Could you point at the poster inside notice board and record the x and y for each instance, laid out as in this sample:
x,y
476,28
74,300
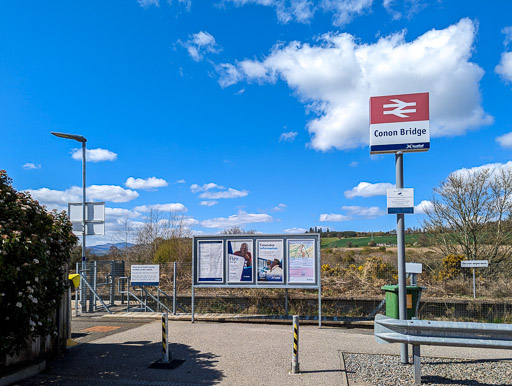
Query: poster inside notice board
x,y
210,261
240,260
270,261
301,260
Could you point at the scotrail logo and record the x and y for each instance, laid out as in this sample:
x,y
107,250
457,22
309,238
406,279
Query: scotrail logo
x,y
413,146
399,108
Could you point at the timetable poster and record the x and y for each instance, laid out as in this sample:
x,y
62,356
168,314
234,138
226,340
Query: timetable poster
x,y
210,261
270,261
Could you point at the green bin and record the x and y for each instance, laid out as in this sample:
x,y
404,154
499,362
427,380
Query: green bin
x,y
392,300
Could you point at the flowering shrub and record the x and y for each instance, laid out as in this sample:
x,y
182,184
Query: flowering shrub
x,y
450,268
34,247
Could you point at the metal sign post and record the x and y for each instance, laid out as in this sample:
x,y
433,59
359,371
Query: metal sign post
x,y
398,124
400,238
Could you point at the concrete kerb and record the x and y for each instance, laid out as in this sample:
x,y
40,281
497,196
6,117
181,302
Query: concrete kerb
x,y
18,374
236,318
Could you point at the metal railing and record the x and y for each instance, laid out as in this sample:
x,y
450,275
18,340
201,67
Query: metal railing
x,y
440,333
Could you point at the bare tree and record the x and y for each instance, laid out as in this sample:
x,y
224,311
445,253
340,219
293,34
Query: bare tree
x,y
150,233
125,231
470,214
237,231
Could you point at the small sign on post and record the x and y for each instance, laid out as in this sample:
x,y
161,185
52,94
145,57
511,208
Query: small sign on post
x,y
474,264
400,201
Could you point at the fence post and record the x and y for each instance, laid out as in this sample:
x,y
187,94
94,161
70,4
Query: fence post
x,y
76,291
416,360
286,302
295,350
165,338
174,288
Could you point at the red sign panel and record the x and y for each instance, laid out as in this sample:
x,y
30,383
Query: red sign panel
x,y
399,108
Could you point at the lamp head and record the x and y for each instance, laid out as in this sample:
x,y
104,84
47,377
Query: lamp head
x,y
75,137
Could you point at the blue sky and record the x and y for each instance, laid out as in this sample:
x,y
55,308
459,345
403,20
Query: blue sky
x,y
250,113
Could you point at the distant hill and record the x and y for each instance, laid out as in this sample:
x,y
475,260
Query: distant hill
x,y
103,249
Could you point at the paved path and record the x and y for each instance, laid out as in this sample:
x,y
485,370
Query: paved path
x,y
221,353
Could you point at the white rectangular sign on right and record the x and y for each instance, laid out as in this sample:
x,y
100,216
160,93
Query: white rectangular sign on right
x,y
399,123
400,201
474,263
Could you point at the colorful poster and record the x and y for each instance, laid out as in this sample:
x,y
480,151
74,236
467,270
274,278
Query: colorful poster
x,y
301,261
270,261
240,254
210,261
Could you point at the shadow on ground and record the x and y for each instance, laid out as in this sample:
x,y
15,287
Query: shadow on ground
x,y
127,363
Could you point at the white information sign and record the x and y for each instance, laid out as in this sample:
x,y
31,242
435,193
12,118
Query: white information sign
x,y
413,267
210,261
145,275
474,263
400,200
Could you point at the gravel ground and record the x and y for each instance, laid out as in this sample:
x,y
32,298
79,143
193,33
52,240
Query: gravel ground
x,y
387,370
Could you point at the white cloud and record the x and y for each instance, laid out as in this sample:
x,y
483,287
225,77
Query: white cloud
x,y
354,164
345,10
302,11
505,140
409,7
31,166
171,207
295,230
180,181
111,193
229,193
366,189
333,217
120,213
221,191
199,44
238,220
148,183
51,197
279,208
208,203
194,188
366,212
505,67
337,76
148,3
422,207
508,35
493,168
94,155
288,137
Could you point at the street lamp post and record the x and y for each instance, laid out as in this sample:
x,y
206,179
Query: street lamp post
x,y
82,140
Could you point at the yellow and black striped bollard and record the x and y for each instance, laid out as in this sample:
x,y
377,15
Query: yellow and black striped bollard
x,y
165,338
295,351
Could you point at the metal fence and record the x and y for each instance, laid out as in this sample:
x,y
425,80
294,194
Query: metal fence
x,y
348,291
